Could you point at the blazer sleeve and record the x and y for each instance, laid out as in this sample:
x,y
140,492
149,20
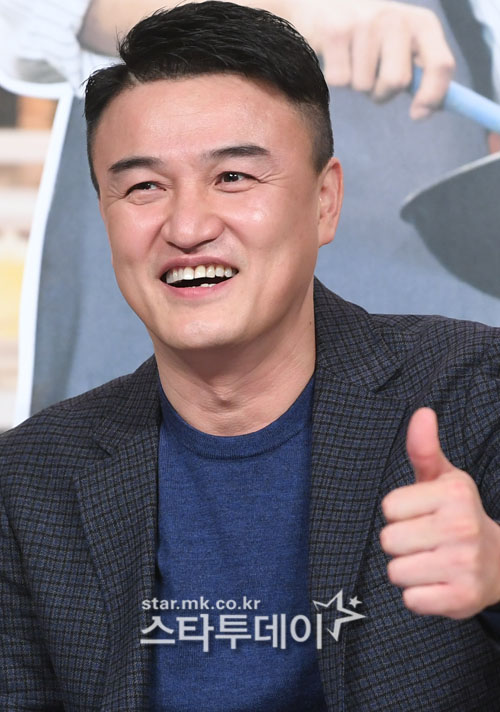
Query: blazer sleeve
x,y
27,681
481,436
482,441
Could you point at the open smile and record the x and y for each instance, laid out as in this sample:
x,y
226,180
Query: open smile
x,y
198,276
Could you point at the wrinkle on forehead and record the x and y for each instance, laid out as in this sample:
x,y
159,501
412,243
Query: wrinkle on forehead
x,y
162,117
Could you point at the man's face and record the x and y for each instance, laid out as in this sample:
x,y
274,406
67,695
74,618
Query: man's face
x,y
212,177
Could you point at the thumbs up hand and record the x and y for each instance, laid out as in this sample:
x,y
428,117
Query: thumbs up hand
x,y
446,548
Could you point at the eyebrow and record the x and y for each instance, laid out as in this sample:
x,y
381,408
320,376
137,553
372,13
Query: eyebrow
x,y
247,149
127,164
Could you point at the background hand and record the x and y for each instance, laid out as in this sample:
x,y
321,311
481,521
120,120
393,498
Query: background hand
x,y
372,45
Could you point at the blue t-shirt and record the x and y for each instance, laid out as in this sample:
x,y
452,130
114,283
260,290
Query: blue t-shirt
x,y
233,531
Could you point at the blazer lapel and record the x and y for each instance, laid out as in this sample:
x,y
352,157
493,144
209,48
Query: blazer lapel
x,y
353,431
117,497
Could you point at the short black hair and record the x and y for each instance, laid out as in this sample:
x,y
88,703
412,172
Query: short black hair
x,y
217,37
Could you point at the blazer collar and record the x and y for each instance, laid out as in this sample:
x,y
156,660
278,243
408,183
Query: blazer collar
x,y
347,344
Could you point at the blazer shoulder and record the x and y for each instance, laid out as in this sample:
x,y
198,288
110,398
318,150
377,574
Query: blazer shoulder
x,y
69,424
411,333
450,365
401,353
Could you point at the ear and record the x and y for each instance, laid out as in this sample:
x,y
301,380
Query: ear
x,y
103,217
331,192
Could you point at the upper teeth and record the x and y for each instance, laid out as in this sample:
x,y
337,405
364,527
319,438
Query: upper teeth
x,y
176,275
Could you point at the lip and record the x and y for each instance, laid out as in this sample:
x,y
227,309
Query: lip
x,y
194,261
198,292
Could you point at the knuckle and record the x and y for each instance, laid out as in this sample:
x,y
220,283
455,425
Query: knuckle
x,y
448,63
426,17
466,559
464,528
389,16
391,83
385,539
443,69
417,19
405,77
340,31
388,506
414,602
408,598
464,602
362,84
458,488
455,608
363,26
393,572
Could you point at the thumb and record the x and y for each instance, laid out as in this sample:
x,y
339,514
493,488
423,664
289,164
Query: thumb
x,y
423,447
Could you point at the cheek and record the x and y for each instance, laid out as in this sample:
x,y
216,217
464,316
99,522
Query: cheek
x,y
285,212
260,228
244,215
131,235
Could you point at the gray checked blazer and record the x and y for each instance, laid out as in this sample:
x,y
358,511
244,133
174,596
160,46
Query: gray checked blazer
x,y
78,522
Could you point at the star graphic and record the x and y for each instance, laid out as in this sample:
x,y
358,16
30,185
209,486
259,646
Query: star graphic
x,y
351,615
354,601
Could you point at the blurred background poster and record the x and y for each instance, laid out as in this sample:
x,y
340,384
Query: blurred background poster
x,y
419,230
25,125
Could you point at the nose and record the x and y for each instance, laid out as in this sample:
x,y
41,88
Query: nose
x,y
192,219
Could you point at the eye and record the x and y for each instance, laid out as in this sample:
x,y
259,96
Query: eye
x,y
146,186
234,178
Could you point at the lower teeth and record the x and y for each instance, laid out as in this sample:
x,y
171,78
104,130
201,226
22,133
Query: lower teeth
x,y
205,284
182,284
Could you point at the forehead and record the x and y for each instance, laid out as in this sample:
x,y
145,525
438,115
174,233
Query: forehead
x,y
198,114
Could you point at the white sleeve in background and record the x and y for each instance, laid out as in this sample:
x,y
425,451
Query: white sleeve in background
x,y
39,42
488,14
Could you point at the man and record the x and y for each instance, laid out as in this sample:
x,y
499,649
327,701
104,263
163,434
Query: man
x,y
251,459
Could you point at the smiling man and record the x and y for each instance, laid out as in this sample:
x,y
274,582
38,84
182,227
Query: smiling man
x,y
212,532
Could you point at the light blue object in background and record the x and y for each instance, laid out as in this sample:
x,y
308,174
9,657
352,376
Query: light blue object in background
x,y
466,102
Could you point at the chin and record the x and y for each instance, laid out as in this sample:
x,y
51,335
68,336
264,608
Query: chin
x,y
198,338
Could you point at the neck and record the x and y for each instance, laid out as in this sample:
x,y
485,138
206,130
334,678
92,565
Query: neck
x,y
239,389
